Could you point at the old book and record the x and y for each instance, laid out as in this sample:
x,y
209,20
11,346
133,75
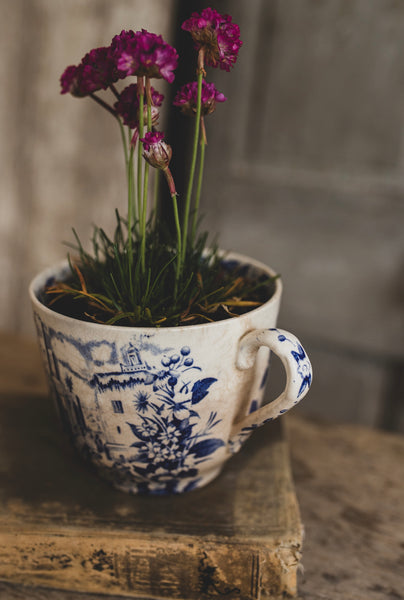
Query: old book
x,y
62,528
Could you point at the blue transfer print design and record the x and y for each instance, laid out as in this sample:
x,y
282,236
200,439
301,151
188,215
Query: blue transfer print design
x,y
149,436
303,364
254,406
305,373
236,443
264,378
167,446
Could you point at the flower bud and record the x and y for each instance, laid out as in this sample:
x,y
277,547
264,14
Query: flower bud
x,y
156,151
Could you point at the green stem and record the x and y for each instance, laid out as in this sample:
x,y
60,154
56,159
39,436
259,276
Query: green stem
x,y
193,164
178,267
156,194
132,146
130,171
149,103
146,178
144,216
130,182
132,160
140,91
173,193
199,183
124,144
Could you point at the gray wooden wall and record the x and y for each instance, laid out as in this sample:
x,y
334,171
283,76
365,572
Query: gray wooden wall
x,y
61,159
305,169
311,180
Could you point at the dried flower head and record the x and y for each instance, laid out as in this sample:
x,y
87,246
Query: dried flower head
x,y
155,150
216,35
96,71
144,54
186,98
128,106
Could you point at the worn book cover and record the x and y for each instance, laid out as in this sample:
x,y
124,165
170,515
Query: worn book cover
x,y
62,528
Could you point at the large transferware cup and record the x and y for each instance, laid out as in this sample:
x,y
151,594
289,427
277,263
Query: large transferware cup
x,y
160,410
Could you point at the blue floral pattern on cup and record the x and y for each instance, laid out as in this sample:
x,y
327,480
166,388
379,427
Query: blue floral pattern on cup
x,y
143,429
289,347
301,358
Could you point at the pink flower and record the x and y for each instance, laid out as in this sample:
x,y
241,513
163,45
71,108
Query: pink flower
x,y
186,98
69,81
120,41
128,106
144,54
96,71
156,151
216,35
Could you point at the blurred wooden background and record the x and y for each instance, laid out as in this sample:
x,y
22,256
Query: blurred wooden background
x,y
305,170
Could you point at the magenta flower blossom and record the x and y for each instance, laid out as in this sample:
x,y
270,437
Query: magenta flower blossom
x,y
121,41
128,106
96,71
216,35
144,54
69,81
186,98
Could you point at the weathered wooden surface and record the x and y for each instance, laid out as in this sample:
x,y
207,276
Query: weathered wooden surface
x,y
349,480
350,486
63,528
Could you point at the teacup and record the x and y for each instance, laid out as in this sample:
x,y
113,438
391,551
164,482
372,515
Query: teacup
x,y
160,410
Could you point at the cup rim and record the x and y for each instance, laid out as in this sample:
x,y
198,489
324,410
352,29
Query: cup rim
x,y
39,280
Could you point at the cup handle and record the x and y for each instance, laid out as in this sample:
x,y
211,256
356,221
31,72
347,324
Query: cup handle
x,y
298,378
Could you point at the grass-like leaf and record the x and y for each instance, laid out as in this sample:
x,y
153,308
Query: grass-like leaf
x,y
102,288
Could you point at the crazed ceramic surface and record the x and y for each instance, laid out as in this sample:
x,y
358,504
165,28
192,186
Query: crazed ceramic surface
x,y
161,410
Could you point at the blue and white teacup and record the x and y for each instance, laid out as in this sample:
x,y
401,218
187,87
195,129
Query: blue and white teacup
x,y
160,410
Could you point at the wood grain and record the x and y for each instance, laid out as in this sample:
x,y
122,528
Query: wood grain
x,y
350,485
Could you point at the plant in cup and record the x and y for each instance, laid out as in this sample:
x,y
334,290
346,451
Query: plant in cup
x,y
156,407
140,276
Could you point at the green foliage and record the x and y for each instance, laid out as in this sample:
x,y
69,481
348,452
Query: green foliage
x,y
99,289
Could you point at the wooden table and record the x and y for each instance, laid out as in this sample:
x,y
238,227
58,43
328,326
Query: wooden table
x,y
350,485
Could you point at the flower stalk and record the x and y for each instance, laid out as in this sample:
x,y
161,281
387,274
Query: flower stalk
x,y
138,263
146,174
140,199
203,143
188,197
104,104
130,170
158,154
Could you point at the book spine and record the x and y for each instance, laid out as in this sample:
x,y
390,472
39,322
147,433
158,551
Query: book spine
x,y
136,567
